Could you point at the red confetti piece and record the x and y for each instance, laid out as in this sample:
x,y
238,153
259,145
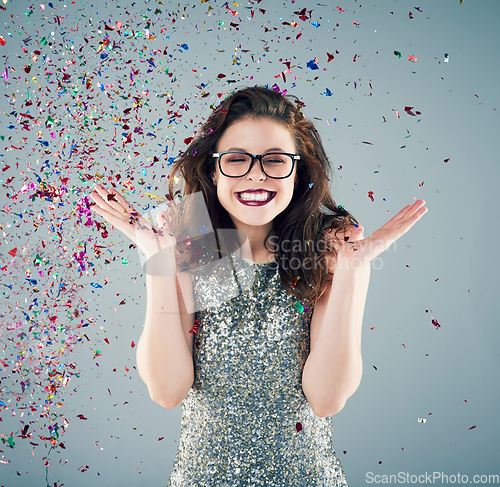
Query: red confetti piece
x,y
340,9
234,13
410,15
132,344
447,160
13,252
161,438
81,416
195,328
412,58
408,110
345,451
370,195
298,427
403,345
436,324
472,427
330,57
2,41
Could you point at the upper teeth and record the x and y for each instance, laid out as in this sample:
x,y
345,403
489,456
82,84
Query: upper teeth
x,y
255,196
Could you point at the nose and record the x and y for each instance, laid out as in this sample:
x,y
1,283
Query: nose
x,y
255,173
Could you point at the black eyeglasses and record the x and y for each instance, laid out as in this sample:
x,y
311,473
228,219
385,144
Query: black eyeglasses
x,y
275,165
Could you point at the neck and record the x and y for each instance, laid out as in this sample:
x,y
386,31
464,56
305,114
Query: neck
x,y
256,236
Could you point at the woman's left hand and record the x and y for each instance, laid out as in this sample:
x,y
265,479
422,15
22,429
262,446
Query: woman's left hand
x,y
357,252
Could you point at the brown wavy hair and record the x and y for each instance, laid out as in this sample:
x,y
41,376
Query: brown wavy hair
x,y
312,210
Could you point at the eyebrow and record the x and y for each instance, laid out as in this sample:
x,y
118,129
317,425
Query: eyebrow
x,y
279,149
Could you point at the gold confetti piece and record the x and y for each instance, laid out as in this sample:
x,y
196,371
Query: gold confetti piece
x,y
154,196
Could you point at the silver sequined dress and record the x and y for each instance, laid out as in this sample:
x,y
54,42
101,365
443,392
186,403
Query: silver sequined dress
x,y
246,420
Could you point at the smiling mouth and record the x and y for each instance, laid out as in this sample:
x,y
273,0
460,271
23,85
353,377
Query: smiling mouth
x,y
255,198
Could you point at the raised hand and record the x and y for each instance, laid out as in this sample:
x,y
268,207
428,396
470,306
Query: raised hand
x,y
115,209
357,252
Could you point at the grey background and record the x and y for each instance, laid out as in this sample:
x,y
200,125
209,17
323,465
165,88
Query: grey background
x,y
443,268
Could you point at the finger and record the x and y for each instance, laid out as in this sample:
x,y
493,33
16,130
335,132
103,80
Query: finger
x,y
414,213
101,198
405,213
110,217
114,203
118,199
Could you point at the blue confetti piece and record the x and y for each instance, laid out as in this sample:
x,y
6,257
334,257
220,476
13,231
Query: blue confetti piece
x,y
184,46
203,229
144,172
327,93
312,64
316,24
311,185
94,284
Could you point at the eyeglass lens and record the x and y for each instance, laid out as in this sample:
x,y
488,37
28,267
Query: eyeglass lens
x,y
275,165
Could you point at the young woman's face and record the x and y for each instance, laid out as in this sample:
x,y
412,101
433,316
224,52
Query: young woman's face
x,y
256,136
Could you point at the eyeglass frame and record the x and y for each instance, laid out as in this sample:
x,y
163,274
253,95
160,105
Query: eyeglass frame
x,y
294,158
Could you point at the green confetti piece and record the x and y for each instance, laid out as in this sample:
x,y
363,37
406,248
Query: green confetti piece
x,y
397,53
299,306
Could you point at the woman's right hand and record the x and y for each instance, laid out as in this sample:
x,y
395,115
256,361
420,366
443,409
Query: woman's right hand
x,y
114,208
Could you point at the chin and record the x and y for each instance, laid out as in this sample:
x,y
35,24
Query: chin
x,y
255,220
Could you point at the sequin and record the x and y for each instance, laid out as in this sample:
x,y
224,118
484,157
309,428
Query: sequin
x,y
246,420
